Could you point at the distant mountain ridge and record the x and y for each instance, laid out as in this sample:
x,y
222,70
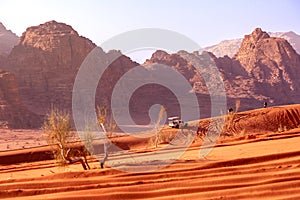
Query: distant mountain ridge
x,y
46,61
44,64
264,69
8,40
231,47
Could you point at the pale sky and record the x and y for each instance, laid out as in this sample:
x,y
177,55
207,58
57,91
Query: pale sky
x,y
206,22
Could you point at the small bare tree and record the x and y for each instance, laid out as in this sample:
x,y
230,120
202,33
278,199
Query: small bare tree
x,y
57,128
108,126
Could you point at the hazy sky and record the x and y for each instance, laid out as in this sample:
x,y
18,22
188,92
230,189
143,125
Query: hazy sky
x,y
206,22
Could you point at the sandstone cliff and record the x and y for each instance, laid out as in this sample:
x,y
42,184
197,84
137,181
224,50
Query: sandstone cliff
x,y
46,61
47,58
12,113
273,64
264,69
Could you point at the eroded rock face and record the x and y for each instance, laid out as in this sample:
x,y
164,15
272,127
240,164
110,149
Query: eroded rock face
x,y
272,62
12,113
264,69
47,58
45,63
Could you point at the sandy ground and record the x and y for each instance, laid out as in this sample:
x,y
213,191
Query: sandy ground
x,y
20,139
266,166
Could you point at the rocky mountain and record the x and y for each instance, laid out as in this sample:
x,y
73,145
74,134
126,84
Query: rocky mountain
x,y
46,61
7,40
47,58
274,65
12,113
264,69
231,47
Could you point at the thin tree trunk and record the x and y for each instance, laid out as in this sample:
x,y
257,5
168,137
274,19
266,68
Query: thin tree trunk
x,y
105,147
156,137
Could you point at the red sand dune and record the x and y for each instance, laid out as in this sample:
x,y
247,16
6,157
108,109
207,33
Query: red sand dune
x,y
264,167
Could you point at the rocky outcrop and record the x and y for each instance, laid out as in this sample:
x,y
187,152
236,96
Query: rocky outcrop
x,y
12,113
264,69
46,61
7,40
273,64
47,58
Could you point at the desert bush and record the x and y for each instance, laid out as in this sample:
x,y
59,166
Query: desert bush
x,y
152,141
88,138
57,128
163,137
282,128
166,137
157,131
243,133
58,133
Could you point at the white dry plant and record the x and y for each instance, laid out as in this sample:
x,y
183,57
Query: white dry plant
x,y
158,125
157,129
109,126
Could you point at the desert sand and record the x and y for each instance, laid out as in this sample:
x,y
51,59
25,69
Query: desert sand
x,y
261,163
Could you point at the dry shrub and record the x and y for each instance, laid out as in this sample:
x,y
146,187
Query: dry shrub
x,y
152,141
58,133
157,129
243,133
166,137
282,128
163,137
89,138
